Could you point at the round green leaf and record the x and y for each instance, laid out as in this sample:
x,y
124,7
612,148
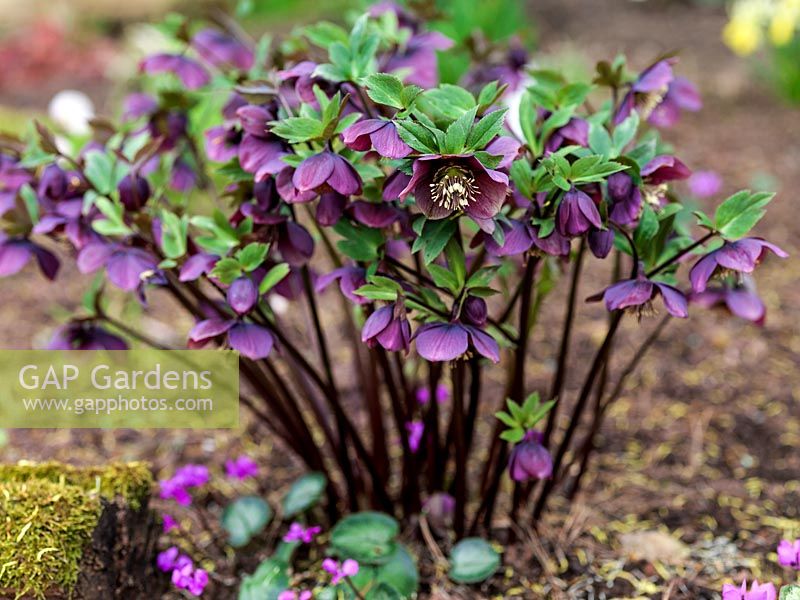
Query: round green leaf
x,y
790,592
367,537
304,493
400,572
473,560
268,581
383,591
245,518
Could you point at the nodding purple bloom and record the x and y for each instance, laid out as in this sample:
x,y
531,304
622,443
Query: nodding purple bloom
x,y
196,266
259,152
664,168
681,95
330,208
506,147
222,50
624,198
600,242
222,143
443,185
740,300
376,133
349,568
183,177
295,244
577,214
419,63
415,430
374,214
705,184
177,487
509,71
242,295
758,591
438,342
442,394
389,327
85,335
327,170
288,191
517,239
350,279
647,91
576,131
250,340
191,73
138,104
789,554
134,191
439,509
474,311
169,523
126,267
298,533
554,244
16,252
740,256
638,294
394,185
529,459
241,468
166,560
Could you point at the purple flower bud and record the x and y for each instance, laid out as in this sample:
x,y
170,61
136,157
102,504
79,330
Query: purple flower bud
x,y
474,311
254,119
439,509
600,242
389,327
134,191
329,170
415,430
166,559
299,533
577,213
529,459
85,335
242,295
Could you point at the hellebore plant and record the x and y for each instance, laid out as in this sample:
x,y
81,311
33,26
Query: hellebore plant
x,y
245,178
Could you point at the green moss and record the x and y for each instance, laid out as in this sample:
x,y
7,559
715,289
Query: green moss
x,y
48,512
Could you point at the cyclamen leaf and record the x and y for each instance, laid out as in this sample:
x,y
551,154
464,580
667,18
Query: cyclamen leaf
x,y
473,560
385,89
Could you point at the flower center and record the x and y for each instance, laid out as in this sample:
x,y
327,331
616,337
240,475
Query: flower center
x,y
453,188
650,101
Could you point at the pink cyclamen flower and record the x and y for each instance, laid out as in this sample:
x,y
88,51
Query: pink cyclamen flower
x,y
165,560
348,568
298,533
442,394
758,591
169,523
789,554
293,595
415,431
704,184
241,468
176,487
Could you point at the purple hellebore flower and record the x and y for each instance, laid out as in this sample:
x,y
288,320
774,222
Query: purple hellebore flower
x,y
191,73
259,152
474,311
241,468
705,184
295,244
287,189
169,523
504,146
298,533
349,568
554,244
439,509
758,591
134,191
138,104
222,143
374,214
681,95
647,91
328,170
789,554
350,279
196,266
517,239
664,168
242,295
510,72
222,50
740,256
16,252
330,208
625,199
576,131
389,327
166,560
394,185
250,340
126,267
419,62
740,301
85,335
376,133
183,177
529,459
601,241
415,430
577,214
638,293
438,342
443,185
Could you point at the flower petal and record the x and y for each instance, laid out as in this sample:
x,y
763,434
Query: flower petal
x,y
253,341
484,343
313,171
674,300
441,341
209,328
344,178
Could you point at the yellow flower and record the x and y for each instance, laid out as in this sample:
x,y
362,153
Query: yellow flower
x,y
784,22
742,36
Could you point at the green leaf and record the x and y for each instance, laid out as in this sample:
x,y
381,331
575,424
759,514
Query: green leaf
x,y
103,171
473,560
245,518
268,581
383,591
443,278
298,129
790,592
174,231
647,228
624,133
737,215
273,277
226,270
113,224
252,256
305,493
486,129
360,243
323,34
456,135
417,136
367,537
513,435
447,102
400,572
385,89
599,140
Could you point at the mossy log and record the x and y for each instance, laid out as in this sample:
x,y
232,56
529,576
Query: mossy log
x,y
78,533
